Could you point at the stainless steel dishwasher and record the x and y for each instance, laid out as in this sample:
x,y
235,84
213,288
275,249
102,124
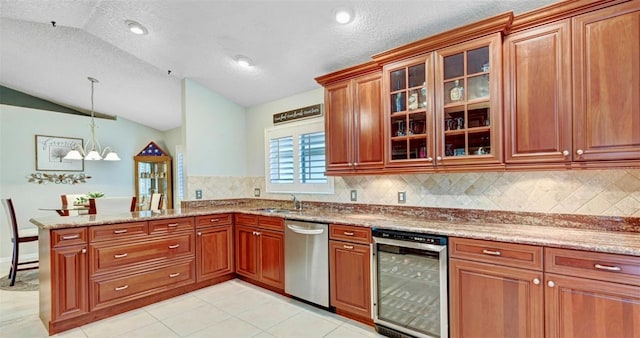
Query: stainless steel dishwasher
x,y
306,261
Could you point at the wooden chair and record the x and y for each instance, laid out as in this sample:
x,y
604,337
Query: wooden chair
x,y
156,202
68,200
18,236
112,205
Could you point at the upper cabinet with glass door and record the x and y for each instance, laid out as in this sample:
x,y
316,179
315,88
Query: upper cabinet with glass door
x,y
468,96
409,103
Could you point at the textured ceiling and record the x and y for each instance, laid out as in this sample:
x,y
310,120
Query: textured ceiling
x,y
290,43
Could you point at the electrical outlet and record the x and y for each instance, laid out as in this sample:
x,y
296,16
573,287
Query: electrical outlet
x,y
198,194
354,195
256,192
402,196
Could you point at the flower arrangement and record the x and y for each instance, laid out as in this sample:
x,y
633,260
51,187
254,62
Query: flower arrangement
x,y
84,200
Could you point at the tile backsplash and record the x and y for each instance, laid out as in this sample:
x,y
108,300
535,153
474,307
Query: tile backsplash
x,y
613,192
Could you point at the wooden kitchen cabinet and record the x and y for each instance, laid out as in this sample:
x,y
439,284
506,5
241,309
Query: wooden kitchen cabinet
x,y
468,101
408,87
354,121
575,294
606,82
590,294
571,90
214,246
495,289
69,293
350,271
259,249
537,82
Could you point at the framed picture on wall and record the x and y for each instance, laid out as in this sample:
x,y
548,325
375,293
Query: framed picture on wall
x,y
51,150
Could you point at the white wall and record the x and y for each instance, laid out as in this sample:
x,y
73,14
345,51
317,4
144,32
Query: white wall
x,y
261,117
18,127
214,130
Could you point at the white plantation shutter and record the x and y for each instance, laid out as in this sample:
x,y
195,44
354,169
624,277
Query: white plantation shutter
x,y
281,160
296,159
312,158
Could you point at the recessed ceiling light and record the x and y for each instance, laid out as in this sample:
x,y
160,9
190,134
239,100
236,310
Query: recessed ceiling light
x,y
136,28
244,61
344,15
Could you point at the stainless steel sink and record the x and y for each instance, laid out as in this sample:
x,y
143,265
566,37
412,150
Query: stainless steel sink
x,y
274,210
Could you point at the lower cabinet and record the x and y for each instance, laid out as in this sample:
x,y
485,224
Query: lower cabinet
x,y
350,269
503,290
259,249
214,246
69,266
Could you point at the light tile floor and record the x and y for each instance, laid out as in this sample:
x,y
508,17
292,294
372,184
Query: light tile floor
x,y
231,309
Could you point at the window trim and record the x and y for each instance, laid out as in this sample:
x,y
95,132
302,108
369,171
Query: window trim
x,y
295,130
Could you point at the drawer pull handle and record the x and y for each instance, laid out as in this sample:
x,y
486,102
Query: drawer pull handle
x,y
173,275
71,236
348,233
492,253
607,267
175,246
120,288
121,231
172,225
213,220
121,255
347,246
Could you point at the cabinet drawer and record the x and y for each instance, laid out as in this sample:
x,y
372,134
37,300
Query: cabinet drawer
x,y
245,219
69,236
509,254
116,231
594,265
112,290
218,219
168,226
350,233
108,256
272,223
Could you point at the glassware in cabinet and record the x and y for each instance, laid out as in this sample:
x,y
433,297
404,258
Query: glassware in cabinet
x,y
468,103
409,110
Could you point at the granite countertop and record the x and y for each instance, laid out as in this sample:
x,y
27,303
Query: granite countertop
x,y
618,242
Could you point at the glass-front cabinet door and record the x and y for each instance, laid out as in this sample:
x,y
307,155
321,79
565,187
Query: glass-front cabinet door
x,y
468,100
409,109
153,176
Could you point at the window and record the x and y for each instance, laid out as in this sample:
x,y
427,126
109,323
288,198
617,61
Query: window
x,y
296,159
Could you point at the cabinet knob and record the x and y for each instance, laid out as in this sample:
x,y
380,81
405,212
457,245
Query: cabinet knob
x,y
536,281
355,164
580,152
84,251
199,233
565,153
551,284
350,164
439,158
430,159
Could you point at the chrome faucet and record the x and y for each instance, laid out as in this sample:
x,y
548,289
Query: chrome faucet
x,y
297,205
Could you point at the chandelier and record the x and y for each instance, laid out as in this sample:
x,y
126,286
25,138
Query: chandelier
x,y
92,151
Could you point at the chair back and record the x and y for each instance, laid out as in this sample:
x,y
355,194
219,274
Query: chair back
x,y
156,202
7,204
113,205
69,200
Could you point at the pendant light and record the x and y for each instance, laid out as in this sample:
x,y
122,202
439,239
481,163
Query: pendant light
x,y
92,151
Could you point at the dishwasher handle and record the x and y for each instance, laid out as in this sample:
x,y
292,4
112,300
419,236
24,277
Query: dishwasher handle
x,y
303,231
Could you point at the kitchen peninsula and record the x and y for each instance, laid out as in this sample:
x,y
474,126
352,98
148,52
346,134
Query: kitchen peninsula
x,y
95,266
